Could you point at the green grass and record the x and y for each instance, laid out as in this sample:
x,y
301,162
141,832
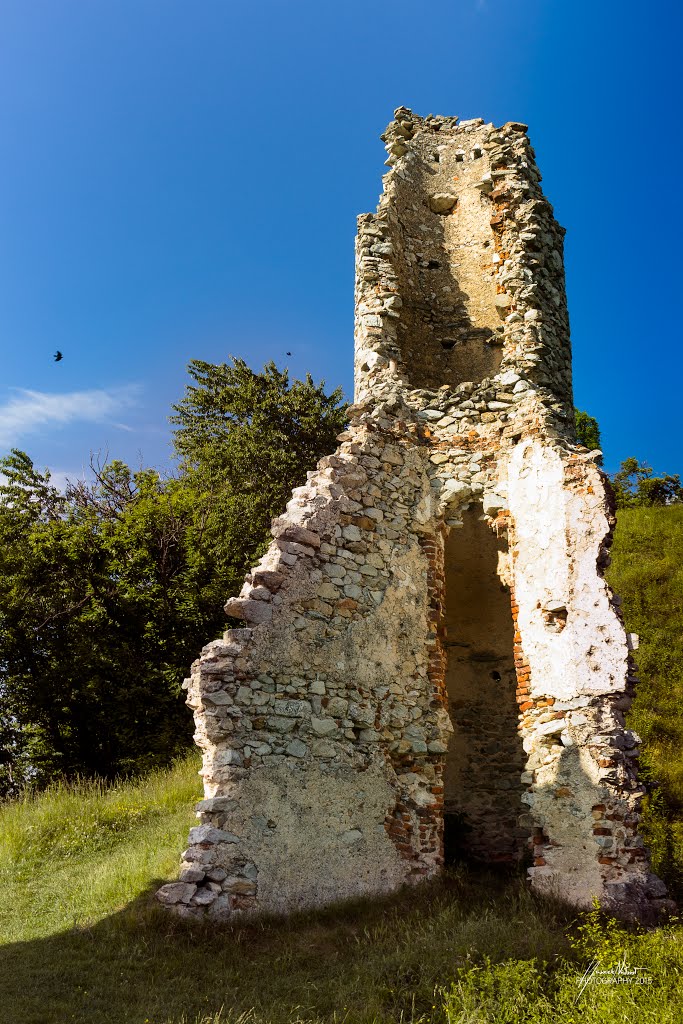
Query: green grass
x,y
75,854
647,573
82,939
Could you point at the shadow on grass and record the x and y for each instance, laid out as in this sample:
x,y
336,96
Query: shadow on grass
x,y
364,961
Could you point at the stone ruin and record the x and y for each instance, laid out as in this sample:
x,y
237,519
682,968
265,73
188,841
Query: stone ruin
x,y
432,666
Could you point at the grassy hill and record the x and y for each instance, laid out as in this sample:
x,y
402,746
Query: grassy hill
x,y
647,573
82,940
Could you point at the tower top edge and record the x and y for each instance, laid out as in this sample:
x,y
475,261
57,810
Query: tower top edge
x,y
406,117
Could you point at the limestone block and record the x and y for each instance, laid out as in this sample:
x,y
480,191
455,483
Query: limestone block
x,y
269,578
176,892
256,612
204,897
323,726
191,874
442,202
296,749
455,492
208,834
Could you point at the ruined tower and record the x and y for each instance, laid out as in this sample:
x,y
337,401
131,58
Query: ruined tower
x,y
432,663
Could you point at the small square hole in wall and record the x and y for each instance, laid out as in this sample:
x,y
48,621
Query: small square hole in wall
x,y
436,158
476,152
448,344
459,157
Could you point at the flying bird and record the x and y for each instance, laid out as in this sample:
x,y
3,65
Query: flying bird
x,y
58,356
288,353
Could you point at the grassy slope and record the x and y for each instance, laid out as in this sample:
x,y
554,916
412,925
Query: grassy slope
x,y
75,854
647,573
83,941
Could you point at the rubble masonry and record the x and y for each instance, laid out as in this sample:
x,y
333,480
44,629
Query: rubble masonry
x,y
430,639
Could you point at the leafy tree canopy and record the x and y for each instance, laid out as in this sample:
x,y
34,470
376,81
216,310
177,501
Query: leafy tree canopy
x,y
636,485
587,430
110,589
248,439
255,432
103,588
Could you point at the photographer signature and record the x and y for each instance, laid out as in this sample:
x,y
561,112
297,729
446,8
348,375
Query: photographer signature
x,y
620,973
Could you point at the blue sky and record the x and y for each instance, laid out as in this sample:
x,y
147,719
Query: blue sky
x,y
182,179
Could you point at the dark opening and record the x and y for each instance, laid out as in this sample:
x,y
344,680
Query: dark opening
x,y
485,759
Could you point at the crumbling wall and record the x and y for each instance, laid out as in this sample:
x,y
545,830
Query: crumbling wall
x,y
322,740
583,796
398,666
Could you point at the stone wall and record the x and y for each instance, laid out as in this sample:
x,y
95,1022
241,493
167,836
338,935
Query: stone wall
x,y
429,637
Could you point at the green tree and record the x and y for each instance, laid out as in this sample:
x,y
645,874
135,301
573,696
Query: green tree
x,y
587,430
248,439
110,589
103,592
635,485
14,770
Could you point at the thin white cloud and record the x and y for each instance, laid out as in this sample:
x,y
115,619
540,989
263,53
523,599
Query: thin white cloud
x,y
59,478
27,412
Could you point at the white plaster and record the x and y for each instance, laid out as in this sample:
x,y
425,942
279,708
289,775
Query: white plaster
x,y
558,532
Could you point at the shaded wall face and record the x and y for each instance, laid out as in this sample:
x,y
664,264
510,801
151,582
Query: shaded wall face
x,y
485,758
445,254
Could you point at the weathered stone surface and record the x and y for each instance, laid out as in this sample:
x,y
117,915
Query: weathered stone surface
x,y
267,578
217,698
442,202
208,834
191,875
296,749
252,611
432,634
323,726
300,535
204,897
176,892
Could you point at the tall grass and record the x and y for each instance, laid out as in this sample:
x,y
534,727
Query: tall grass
x,y
75,853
